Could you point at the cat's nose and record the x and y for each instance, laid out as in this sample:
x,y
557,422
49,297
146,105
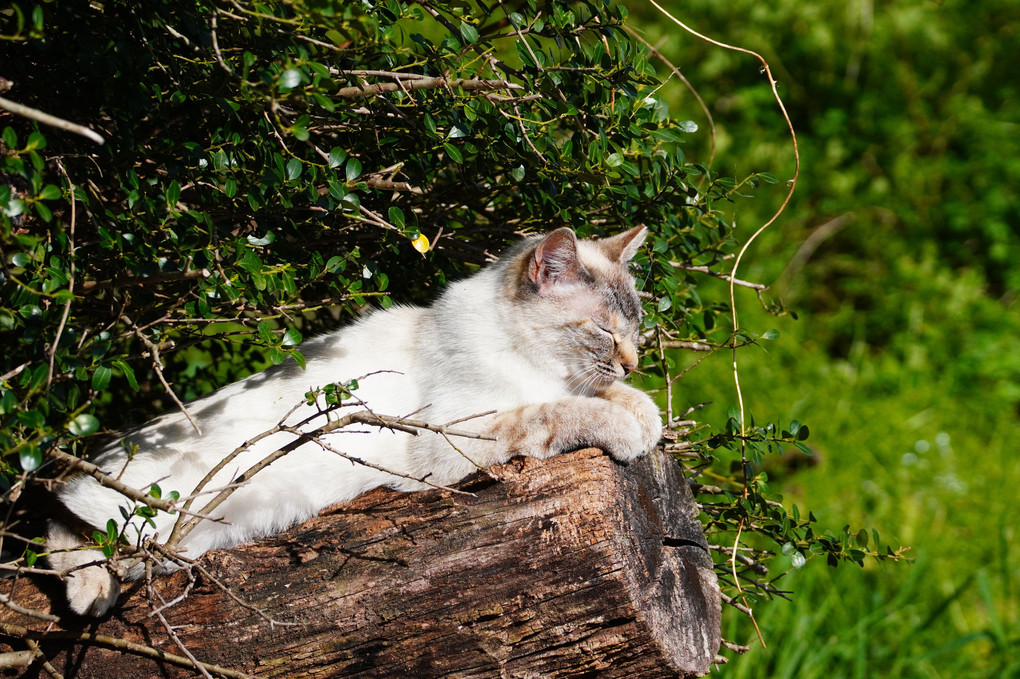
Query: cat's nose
x,y
628,367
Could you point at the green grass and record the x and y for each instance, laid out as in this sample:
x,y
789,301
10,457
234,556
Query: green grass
x,y
919,452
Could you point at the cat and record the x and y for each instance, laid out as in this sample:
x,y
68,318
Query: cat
x,y
543,337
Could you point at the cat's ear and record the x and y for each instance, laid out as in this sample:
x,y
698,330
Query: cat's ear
x,y
623,247
555,260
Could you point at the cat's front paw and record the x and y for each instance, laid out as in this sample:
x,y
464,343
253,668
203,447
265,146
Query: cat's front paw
x,y
644,412
92,590
626,441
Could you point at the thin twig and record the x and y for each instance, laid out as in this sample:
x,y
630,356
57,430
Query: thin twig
x,y
736,265
158,614
70,283
33,646
157,366
676,71
51,120
365,463
17,659
216,45
426,84
107,480
17,608
90,287
718,274
117,644
14,372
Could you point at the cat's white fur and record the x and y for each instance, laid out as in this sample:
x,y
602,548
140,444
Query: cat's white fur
x,y
499,340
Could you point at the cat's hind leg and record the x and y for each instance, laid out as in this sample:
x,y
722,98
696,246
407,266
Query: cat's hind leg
x,y
91,588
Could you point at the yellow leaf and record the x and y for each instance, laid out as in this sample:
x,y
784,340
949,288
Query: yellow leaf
x,y
421,243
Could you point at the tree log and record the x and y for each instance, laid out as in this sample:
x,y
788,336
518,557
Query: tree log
x,y
574,566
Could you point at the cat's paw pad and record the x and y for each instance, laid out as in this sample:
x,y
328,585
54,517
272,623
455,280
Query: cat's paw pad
x,y
92,591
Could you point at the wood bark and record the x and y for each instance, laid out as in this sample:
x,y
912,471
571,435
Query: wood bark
x,y
570,567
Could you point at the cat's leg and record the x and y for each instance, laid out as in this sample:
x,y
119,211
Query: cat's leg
x,y
91,589
546,429
642,407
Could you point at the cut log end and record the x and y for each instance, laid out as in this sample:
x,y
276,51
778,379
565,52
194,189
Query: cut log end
x,y
569,567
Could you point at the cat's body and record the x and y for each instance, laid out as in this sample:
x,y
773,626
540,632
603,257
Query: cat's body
x,y
541,337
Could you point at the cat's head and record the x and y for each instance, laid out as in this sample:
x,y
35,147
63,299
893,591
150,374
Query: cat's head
x,y
578,299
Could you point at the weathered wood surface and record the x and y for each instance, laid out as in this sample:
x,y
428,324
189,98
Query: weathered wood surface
x,y
570,567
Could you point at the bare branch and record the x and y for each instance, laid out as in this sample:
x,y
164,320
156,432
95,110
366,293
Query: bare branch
x,y
718,274
51,120
38,615
106,480
693,346
157,366
90,287
117,644
426,84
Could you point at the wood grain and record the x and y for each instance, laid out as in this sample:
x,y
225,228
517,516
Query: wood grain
x,y
570,567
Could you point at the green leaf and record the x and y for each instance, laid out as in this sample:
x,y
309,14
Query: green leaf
x,y
14,207
290,78
454,153
353,169
293,168
83,425
30,458
336,157
291,338
229,187
44,212
101,377
173,194
334,263
396,217
770,335
468,32
50,192
129,372
260,242
803,448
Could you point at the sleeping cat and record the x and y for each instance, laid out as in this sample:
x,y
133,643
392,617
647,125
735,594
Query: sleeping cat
x,y
542,337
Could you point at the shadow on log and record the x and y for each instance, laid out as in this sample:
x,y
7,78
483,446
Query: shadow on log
x,y
570,567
